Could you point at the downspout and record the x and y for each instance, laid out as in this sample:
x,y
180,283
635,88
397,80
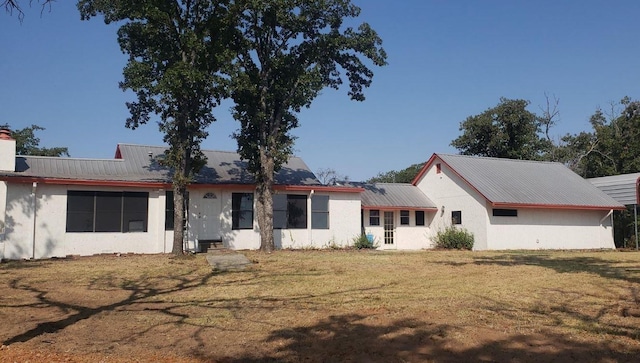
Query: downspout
x,y
311,217
34,206
162,212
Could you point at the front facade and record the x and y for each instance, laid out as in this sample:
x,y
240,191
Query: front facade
x,y
55,207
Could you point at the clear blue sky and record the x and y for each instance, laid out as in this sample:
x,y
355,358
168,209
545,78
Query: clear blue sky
x,y
447,60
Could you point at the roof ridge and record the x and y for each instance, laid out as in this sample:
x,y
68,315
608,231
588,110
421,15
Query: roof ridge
x,y
166,147
67,158
500,159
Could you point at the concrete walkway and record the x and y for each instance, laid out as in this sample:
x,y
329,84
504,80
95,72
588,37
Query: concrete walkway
x,y
228,261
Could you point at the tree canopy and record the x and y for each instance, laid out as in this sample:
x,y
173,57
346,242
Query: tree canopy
x,y
288,51
402,176
507,130
27,143
176,50
612,146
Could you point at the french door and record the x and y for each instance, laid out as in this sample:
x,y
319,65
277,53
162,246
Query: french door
x,y
389,228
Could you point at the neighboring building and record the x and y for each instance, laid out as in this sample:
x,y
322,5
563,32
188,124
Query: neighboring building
x,y
517,204
54,207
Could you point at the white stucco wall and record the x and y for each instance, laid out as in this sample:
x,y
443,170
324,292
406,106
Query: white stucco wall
x,y
51,238
450,193
531,229
551,229
207,222
406,237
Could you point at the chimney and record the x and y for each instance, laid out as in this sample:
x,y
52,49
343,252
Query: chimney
x,y
7,151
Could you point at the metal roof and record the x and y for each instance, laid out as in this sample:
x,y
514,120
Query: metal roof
x,y
139,163
622,188
530,183
394,195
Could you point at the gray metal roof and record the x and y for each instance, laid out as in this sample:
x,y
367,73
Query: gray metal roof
x,y
394,195
619,187
524,182
139,163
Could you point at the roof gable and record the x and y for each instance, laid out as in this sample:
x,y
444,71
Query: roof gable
x,y
508,182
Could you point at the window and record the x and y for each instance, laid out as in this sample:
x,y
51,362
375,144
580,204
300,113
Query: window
x,y
289,211
438,168
505,212
89,211
320,211
419,218
456,217
242,210
168,211
404,217
374,217
296,211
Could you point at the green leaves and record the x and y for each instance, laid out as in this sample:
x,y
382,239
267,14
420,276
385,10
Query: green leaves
x,y
28,144
505,131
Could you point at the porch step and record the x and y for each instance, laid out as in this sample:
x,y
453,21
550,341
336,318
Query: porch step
x,y
210,245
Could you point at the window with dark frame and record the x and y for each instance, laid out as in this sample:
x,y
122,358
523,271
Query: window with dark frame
x,y
438,168
456,217
93,211
505,212
404,217
168,211
241,210
419,218
374,217
320,211
296,211
290,211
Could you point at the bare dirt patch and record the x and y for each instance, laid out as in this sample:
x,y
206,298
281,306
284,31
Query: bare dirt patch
x,y
325,306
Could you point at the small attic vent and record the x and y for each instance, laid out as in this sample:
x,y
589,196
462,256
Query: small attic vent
x,y
210,195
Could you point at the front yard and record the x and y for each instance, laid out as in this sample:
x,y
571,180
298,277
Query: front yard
x,y
325,306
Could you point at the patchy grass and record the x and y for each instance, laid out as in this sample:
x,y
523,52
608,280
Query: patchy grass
x,y
325,306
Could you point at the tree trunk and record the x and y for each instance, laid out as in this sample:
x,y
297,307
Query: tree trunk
x,y
264,202
179,197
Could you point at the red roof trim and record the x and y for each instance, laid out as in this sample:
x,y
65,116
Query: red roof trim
x,y
142,184
423,170
318,188
555,206
381,207
106,183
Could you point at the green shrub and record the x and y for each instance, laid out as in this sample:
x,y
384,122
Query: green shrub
x,y
454,238
361,241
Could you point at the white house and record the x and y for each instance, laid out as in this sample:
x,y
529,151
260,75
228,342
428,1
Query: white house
x,y
54,207
517,204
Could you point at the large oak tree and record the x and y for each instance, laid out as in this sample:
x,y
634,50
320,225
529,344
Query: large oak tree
x,y
176,50
288,51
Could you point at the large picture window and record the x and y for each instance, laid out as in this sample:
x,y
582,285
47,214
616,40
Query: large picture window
x,y
242,210
89,211
289,211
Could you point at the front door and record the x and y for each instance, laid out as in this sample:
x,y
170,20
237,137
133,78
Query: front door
x,y
389,228
209,216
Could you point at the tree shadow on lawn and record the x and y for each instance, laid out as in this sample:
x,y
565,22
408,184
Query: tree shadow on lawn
x,y
575,264
357,338
138,292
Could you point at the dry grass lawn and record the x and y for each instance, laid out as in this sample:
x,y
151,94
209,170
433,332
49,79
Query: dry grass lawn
x,y
325,306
